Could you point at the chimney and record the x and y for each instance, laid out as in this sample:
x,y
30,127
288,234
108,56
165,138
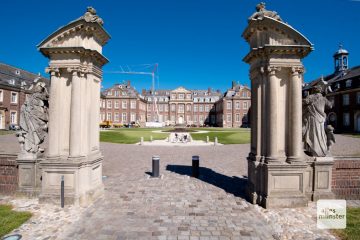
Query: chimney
x,y
209,89
143,92
128,83
233,84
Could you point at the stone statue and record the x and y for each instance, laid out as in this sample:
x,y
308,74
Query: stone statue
x,y
317,138
90,16
261,12
33,120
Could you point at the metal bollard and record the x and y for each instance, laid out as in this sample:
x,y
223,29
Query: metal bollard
x,y
141,140
216,141
155,166
62,193
207,139
195,166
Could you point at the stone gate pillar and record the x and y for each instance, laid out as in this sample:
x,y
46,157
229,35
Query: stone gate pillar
x,y
276,163
75,67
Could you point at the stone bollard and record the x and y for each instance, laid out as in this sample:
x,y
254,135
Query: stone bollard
x,y
151,138
216,141
195,166
141,140
207,139
155,166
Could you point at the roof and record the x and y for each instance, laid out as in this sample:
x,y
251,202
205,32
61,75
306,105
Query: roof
x,y
11,76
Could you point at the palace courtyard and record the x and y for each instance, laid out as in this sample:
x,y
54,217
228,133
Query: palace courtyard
x,y
174,206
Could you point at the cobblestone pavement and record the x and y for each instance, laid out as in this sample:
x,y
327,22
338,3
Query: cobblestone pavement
x,y
176,206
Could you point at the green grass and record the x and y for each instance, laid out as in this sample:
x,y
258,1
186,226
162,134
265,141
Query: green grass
x,y
352,230
5,132
10,220
224,135
131,135
355,135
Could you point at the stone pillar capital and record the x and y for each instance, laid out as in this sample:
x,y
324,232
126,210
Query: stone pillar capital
x,y
297,70
272,70
53,71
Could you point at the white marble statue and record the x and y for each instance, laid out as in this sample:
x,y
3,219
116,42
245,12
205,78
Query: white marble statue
x,y
261,12
317,137
33,119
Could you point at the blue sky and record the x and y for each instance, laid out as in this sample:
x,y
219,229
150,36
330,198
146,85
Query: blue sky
x,y
197,43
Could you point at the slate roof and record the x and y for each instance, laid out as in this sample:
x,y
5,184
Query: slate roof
x,y
13,77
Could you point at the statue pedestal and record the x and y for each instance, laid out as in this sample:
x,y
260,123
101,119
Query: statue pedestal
x,y
322,170
82,180
29,174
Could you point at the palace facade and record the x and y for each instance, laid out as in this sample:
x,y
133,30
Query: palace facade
x,y
123,104
14,83
344,116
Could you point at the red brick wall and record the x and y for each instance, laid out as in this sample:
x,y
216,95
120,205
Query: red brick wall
x,y
346,178
8,174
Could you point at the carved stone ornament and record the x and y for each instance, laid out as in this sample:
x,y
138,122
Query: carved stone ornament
x,y
33,120
261,12
90,16
317,137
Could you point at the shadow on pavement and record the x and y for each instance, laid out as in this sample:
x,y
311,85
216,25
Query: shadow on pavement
x,y
234,185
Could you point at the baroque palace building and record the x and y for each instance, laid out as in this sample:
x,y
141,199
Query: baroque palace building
x,y
344,116
14,83
122,104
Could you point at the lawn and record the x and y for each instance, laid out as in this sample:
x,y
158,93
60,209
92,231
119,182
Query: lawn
x,y
4,132
10,220
224,135
131,135
352,230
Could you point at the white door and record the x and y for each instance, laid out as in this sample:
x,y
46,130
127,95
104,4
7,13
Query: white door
x,y
181,120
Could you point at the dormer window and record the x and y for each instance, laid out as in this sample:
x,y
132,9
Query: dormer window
x,y
348,83
12,81
17,72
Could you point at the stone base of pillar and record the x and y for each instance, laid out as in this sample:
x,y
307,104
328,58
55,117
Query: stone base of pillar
x,y
29,175
82,180
277,184
322,175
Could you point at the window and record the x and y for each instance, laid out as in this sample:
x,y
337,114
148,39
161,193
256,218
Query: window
x,y
201,118
201,108
109,93
181,108
195,118
173,107
116,117
357,98
181,96
117,93
117,105
245,105
207,100
13,117
124,118
348,83
346,99
133,104
228,117
108,117
228,105
173,96
166,108
102,117
109,104
346,119
172,118
124,104
161,107
133,117
188,118
237,117
244,94
14,97
207,108
188,96
1,95
188,107
237,105
123,93
104,104
195,108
